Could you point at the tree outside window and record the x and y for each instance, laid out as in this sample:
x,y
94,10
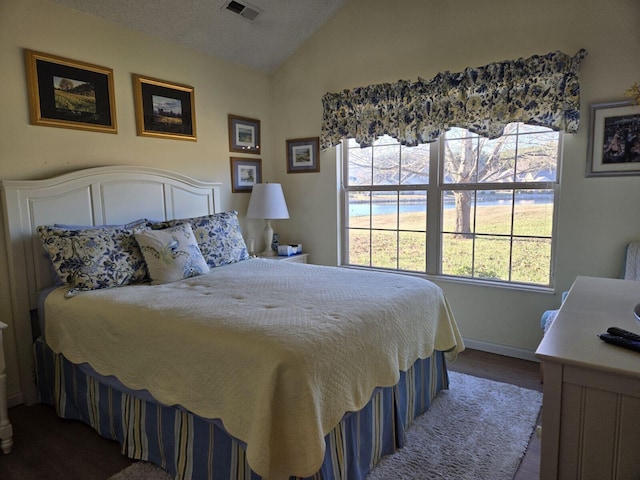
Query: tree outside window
x,y
491,202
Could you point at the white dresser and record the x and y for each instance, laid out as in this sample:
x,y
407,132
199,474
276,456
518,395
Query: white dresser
x,y
6,432
591,392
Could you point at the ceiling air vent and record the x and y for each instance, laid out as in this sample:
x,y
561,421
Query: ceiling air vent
x,y
243,9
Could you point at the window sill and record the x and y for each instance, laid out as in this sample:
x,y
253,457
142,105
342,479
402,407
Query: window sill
x,y
474,282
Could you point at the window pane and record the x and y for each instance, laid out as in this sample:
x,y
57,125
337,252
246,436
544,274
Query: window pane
x,y
414,169
458,211
359,209
359,249
384,249
413,210
384,210
497,159
493,212
538,157
491,258
386,165
457,255
533,213
460,160
359,166
531,259
413,251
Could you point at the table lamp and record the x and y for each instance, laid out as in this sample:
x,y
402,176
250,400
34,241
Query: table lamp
x,y
267,202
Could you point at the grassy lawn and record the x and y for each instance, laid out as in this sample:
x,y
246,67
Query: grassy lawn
x,y
74,102
486,256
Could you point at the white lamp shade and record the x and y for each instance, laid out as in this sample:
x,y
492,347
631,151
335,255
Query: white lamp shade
x,y
267,202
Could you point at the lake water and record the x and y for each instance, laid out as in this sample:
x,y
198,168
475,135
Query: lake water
x,y
362,209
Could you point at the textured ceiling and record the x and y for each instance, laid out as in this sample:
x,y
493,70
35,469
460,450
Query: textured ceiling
x,y
207,27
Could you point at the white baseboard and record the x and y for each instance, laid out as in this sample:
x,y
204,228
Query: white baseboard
x,y
500,349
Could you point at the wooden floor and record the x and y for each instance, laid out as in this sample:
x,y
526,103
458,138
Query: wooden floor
x,y
47,447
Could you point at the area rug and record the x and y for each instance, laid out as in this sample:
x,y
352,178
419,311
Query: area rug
x,y
142,471
477,430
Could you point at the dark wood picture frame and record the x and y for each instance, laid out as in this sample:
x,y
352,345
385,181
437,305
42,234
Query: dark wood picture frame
x,y
245,173
244,134
164,109
614,140
69,93
303,155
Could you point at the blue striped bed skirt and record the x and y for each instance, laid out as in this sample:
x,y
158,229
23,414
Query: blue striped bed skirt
x,y
192,447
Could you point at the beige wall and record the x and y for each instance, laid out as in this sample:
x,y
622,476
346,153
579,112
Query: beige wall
x,y
368,41
29,152
374,41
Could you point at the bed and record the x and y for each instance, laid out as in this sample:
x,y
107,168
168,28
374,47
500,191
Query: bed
x,y
239,368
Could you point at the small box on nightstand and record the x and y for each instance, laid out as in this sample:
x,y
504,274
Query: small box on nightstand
x,y
289,249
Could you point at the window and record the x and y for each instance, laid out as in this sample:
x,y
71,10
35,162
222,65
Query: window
x,y
464,206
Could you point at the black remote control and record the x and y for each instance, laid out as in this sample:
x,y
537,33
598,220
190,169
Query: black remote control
x,y
620,341
619,332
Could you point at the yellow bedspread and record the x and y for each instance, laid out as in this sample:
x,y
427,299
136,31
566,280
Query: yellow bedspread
x,y
278,351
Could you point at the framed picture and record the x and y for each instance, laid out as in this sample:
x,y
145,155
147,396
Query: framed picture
x,y
69,93
244,134
614,139
245,173
303,155
163,109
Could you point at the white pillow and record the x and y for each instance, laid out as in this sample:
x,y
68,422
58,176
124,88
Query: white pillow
x,y
171,254
218,235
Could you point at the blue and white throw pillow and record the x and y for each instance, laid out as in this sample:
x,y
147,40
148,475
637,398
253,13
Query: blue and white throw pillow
x,y
219,237
171,254
91,259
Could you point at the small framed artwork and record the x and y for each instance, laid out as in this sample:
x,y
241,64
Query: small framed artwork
x,y
70,94
303,155
614,139
164,109
245,173
244,134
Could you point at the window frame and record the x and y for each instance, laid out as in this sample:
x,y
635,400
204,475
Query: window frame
x,y
434,222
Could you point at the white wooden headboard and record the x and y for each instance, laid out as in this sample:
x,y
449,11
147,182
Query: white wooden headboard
x,y
94,196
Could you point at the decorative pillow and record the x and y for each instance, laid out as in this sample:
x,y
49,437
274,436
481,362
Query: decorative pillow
x,y
93,258
218,236
140,223
171,254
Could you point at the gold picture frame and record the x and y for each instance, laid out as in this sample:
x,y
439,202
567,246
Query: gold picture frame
x,y
68,93
164,109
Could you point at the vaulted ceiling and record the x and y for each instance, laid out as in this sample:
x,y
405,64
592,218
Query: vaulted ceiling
x,y
259,34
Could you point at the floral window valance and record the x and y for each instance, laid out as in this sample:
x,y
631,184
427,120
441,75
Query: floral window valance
x,y
540,90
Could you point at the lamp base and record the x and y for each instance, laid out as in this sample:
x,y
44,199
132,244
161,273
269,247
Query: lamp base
x,y
268,238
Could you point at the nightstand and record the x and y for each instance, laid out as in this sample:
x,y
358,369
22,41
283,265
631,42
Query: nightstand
x,y
6,432
297,258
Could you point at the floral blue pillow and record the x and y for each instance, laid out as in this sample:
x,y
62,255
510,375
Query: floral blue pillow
x,y
219,237
171,254
91,259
